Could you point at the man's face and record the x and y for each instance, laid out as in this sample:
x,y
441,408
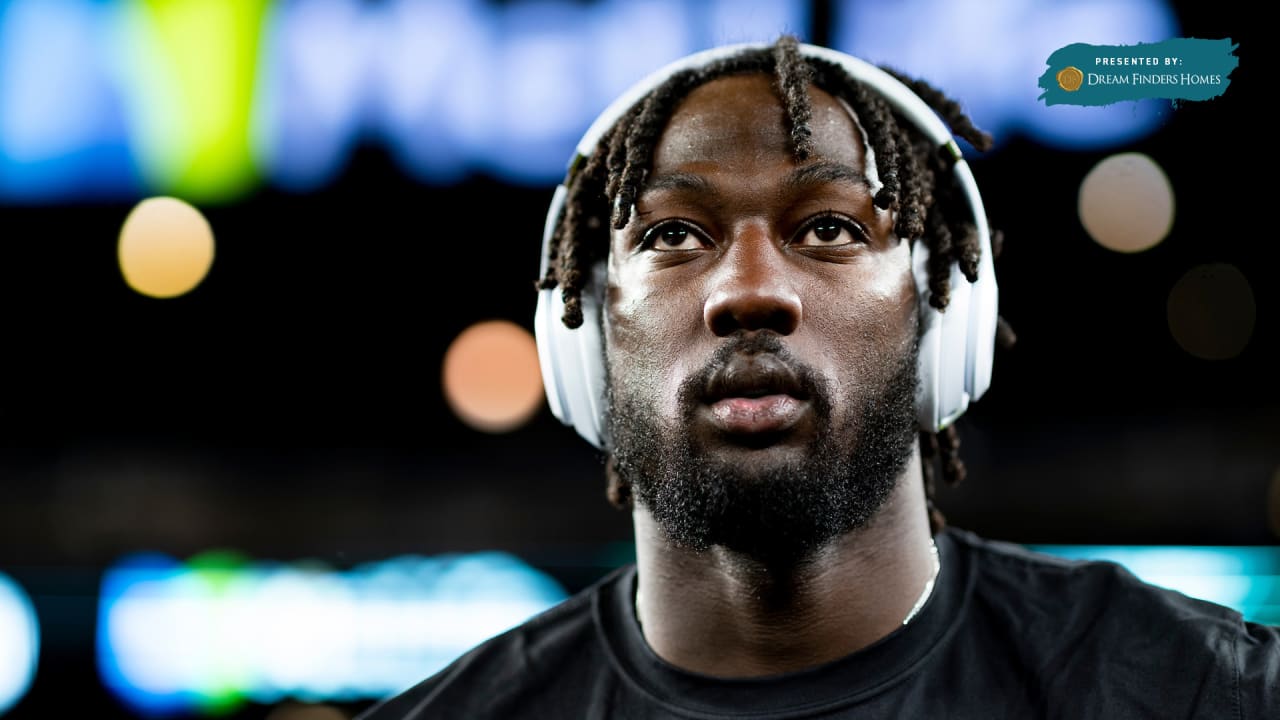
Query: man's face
x,y
760,329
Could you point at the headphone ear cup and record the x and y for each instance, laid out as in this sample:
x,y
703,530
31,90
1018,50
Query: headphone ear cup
x,y
929,356
953,386
984,315
548,360
572,360
984,305
944,390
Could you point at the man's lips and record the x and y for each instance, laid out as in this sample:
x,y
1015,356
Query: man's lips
x,y
766,414
755,393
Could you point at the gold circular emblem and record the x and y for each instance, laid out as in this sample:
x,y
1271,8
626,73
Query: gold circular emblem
x,y
1069,78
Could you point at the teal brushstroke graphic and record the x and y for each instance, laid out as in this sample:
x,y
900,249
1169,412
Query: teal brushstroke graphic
x,y
1177,69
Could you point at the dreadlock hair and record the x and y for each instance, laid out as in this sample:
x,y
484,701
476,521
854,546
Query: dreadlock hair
x,y
604,190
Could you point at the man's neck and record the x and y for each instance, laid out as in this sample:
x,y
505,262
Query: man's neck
x,y
724,614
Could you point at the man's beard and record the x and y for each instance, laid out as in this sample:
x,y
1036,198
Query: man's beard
x,y
781,513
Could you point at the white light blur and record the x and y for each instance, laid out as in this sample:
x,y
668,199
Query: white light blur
x,y
176,639
155,616
19,643
295,660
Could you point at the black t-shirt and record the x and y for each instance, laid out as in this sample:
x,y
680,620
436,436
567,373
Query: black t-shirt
x,y
1006,634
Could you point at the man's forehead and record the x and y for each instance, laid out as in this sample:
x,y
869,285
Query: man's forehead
x,y
744,115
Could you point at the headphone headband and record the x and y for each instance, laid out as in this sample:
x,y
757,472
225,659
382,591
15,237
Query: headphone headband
x,y
956,346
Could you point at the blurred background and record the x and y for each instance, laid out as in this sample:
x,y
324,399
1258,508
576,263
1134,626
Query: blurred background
x,y
272,436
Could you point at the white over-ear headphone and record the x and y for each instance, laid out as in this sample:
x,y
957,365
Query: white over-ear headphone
x,y
956,346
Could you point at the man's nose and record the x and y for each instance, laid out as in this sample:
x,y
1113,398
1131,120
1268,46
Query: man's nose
x,y
752,287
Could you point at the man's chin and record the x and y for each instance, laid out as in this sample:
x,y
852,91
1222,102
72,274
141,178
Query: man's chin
x,y
750,453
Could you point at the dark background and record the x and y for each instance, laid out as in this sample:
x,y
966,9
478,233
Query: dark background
x,y
290,406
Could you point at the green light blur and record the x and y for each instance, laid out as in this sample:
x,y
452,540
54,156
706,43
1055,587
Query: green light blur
x,y
193,65
223,573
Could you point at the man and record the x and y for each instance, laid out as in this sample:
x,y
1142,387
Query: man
x,y
763,247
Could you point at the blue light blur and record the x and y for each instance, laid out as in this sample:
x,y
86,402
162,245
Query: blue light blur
x,y
62,124
314,68
139,574
182,637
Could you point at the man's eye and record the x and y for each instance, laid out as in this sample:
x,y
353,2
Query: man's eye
x,y
673,236
828,232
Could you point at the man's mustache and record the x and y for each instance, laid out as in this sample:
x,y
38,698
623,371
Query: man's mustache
x,y
755,343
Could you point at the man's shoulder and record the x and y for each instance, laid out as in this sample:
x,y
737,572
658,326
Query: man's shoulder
x,y
1024,577
1094,624
535,656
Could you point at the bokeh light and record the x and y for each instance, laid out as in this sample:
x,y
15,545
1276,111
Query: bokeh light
x,y
491,376
166,247
1211,311
1126,203
19,643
